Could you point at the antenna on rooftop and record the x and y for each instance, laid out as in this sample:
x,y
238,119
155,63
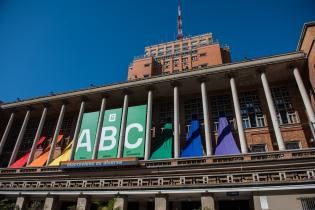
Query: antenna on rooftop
x,y
179,23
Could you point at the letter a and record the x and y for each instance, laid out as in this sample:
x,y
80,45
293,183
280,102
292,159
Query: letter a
x,y
85,134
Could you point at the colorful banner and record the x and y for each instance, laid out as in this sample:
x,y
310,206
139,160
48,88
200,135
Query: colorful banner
x,y
86,140
135,131
110,134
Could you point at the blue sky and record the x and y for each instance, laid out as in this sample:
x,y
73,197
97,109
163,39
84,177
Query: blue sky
x,y
62,45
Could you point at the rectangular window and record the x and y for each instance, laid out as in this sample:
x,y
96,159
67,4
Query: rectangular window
x,y
146,75
251,110
193,109
203,65
146,65
176,61
258,148
185,60
166,113
203,54
194,58
284,106
292,145
176,46
221,106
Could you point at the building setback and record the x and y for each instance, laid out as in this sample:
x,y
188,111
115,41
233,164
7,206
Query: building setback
x,y
253,121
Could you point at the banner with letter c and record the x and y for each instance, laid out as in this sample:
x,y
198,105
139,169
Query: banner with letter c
x,y
135,131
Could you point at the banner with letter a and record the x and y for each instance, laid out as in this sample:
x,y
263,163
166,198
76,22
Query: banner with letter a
x,y
86,140
110,134
135,131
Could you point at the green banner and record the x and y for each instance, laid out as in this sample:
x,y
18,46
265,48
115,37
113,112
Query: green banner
x,y
164,145
110,134
135,131
86,140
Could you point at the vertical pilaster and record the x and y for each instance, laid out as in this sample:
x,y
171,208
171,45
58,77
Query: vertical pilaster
x,y
77,130
37,135
123,127
51,203
6,132
205,109
161,202
21,203
147,151
99,128
272,111
176,123
20,137
304,95
207,201
121,202
238,116
83,203
56,133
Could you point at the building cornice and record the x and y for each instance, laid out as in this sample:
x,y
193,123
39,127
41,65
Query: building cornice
x,y
289,57
305,26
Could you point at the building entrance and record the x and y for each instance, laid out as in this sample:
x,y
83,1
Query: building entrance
x,y
234,205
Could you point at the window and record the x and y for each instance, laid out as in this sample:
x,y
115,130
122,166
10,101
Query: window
x,y
166,113
258,148
66,126
176,61
146,65
221,106
176,46
284,107
185,44
161,50
203,54
185,60
194,58
308,203
193,108
251,110
146,75
167,66
203,65
292,145
29,135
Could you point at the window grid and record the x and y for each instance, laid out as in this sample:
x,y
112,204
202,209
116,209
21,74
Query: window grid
x,y
284,107
29,135
193,107
251,110
308,203
166,113
221,106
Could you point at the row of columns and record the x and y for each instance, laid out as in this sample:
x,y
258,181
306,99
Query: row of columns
x,y
205,105
161,202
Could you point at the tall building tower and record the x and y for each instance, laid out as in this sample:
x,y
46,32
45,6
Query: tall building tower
x,y
184,54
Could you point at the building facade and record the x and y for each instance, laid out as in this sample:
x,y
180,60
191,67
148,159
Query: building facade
x,y
267,102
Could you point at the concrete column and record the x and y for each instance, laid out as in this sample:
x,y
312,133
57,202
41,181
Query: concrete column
x,y
304,95
206,118
238,116
56,133
176,123
123,127
20,137
207,201
161,202
147,151
77,130
99,128
272,111
121,202
51,203
6,132
21,203
83,203
37,135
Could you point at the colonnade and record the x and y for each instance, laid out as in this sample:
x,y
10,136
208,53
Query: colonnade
x,y
176,88
161,202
